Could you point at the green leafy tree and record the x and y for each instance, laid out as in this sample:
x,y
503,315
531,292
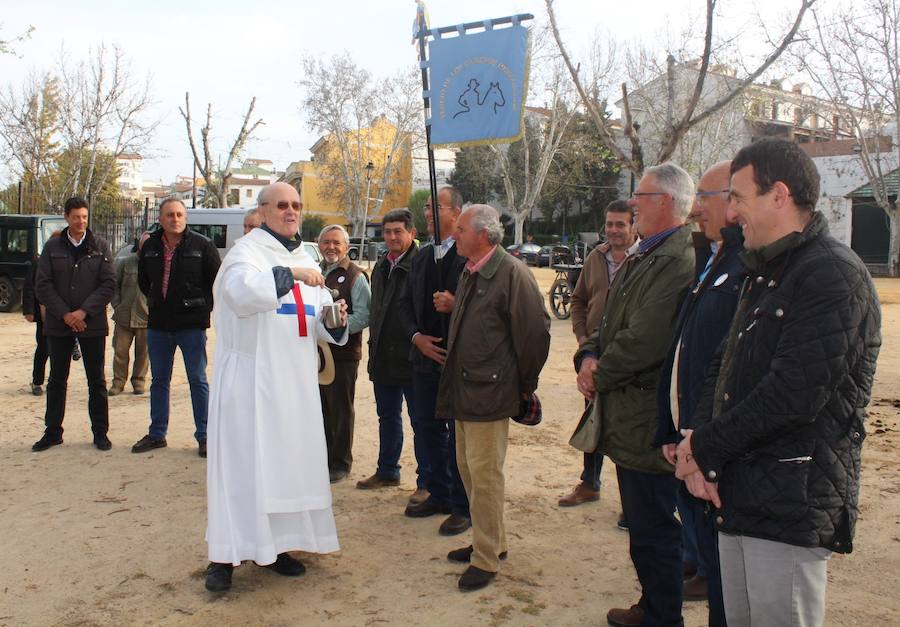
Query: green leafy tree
x,y
475,175
311,227
416,206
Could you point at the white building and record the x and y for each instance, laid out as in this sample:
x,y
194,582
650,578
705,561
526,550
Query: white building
x,y
131,174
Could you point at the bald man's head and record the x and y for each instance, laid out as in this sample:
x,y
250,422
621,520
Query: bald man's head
x,y
280,206
711,201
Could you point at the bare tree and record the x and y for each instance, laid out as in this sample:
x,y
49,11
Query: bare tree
x,y
523,178
7,46
216,180
63,131
343,103
104,110
678,120
851,55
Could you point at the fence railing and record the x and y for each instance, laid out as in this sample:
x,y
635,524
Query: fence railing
x,y
117,219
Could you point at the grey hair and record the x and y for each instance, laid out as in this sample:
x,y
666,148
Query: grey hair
x,y
334,227
486,218
674,181
251,212
456,198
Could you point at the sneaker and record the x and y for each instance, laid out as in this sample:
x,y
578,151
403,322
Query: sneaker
x,y
622,523
218,577
475,579
376,481
45,442
287,566
102,442
147,443
36,390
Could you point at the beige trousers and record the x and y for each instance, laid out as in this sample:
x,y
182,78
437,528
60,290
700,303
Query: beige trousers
x,y
480,454
122,338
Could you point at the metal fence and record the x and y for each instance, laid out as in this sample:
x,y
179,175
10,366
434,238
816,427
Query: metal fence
x,y
117,219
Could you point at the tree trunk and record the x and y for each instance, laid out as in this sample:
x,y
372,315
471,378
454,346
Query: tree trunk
x,y
519,226
894,246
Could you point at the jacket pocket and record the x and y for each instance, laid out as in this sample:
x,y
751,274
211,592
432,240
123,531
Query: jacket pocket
x,y
481,389
773,487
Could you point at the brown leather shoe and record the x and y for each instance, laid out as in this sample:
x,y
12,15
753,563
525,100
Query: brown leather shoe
x,y
581,494
114,391
696,589
376,481
454,525
419,496
632,617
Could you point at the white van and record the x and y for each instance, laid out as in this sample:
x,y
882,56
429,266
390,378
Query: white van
x,y
223,227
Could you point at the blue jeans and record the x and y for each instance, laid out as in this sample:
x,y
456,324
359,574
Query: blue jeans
x,y
435,445
161,348
389,405
698,527
654,534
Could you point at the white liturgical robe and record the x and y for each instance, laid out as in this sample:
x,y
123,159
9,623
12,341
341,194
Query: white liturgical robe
x,y
267,470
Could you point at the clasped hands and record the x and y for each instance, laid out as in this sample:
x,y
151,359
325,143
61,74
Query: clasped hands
x,y
682,457
75,320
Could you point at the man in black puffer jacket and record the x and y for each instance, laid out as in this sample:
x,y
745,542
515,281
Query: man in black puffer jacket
x,y
176,270
779,427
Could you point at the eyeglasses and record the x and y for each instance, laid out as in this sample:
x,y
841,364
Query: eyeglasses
x,y
639,194
283,205
712,193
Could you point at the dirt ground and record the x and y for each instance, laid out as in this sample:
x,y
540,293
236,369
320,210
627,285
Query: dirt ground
x,y
115,538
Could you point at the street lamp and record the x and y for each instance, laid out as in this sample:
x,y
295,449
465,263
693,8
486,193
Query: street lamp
x,y
370,167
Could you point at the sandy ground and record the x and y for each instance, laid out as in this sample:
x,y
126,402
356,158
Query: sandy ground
x,y
115,538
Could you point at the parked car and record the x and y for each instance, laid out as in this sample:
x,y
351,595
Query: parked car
x,y
558,253
22,238
356,242
527,252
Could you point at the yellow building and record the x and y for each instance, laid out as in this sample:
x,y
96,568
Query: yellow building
x,y
311,178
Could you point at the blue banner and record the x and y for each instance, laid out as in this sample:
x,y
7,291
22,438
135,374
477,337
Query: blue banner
x,y
478,86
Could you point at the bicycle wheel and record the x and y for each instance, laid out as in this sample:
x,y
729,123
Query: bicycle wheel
x,y
561,298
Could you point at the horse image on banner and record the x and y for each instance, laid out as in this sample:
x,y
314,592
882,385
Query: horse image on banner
x,y
479,83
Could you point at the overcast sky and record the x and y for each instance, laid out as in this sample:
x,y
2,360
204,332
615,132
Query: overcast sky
x,y
226,52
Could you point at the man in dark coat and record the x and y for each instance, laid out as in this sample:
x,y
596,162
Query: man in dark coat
x,y
75,282
176,270
705,317
431,300
779,427
390,327
31,309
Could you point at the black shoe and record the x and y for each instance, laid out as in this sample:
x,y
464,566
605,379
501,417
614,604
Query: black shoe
x,y
218,577
454,525
622,523
475,579
46,442
36,389
201,449
147,443
287,566
336,475
423,510
102,442
464,555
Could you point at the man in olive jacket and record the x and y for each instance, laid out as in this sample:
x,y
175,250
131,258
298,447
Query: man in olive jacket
x,y
75,282
620,364
389,367
130,315
498,342
778,430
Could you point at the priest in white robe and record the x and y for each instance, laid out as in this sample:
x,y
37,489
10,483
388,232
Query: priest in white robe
x,y
267,471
